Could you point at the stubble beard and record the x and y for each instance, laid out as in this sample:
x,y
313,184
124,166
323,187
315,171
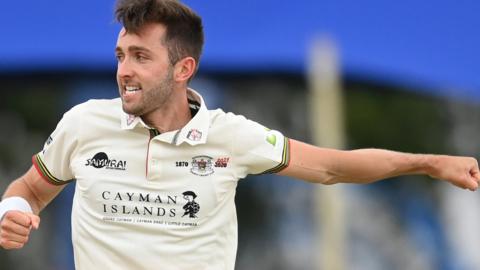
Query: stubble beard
x,y
154,97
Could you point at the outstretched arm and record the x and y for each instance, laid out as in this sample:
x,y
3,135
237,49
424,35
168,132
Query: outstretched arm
x,y
329,166
15,225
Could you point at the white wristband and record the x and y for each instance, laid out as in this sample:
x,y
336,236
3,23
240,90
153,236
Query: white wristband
x,y
14,203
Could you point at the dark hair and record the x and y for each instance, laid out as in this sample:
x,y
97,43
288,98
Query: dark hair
x,y
184,30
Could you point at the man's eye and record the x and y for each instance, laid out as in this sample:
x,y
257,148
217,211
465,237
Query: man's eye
x,y
141,58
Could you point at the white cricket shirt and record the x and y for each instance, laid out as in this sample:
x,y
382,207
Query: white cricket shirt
x,y
145,200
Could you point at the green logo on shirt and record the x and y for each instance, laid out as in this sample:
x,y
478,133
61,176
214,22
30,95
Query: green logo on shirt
x,y
271,139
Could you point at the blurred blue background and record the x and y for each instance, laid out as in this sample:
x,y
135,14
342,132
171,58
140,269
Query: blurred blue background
x,y
409,70
429,43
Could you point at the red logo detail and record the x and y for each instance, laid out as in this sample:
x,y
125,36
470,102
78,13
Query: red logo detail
x,y
222,162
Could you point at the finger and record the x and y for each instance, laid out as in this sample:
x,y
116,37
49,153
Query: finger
x,y
471,184
34,220
18,217
9,226
474,185
7,244
463,182
11,236
474,178
475,173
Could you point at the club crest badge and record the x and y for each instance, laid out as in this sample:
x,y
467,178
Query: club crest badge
x,y
202,165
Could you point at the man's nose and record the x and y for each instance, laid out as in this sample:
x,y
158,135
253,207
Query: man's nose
x,y
124,69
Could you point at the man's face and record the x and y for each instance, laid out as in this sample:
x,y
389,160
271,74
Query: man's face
x,y
144,73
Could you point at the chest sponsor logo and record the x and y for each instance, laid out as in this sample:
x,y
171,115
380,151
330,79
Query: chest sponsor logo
x,y
139,207
191,207
101,160
202,165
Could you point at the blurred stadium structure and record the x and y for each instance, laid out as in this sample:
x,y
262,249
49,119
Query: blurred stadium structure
x,y
408,72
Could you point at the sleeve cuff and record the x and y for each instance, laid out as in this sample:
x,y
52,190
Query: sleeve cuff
x,y
45,173
285,158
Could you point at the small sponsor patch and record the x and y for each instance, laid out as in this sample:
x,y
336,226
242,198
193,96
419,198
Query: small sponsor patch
x,y
202,165
194,135
222,162
49,140
47,143
271,139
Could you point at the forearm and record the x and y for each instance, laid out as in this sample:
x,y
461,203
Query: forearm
x,y
330,166
370,165
20,188
22,197
34,189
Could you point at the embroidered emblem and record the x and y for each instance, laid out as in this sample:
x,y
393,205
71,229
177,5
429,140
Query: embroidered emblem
x,y
194,135
202,165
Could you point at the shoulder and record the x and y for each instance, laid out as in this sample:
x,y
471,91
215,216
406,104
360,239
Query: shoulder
x,y
95,108
226,119
235,126
97,105
92,114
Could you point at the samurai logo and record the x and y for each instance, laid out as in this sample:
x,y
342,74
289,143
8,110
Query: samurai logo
x,y
101,160
191,207
202,165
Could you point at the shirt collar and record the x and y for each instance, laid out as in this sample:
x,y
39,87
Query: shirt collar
x,y
194,132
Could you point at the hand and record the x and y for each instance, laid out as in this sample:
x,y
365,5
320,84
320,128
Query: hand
x,y
462,172
15,228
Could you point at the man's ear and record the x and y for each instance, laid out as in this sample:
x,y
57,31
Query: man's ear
x,y
184,69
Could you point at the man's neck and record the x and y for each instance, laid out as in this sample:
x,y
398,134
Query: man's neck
x,y
173,115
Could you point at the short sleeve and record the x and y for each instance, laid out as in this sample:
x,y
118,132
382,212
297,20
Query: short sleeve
x,y
258,149
53,162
